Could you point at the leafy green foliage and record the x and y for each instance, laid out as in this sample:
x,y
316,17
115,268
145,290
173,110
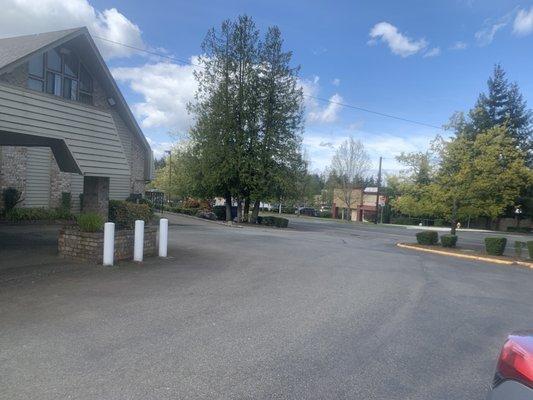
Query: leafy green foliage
x,y
186,211
495,246
37,214
273,221
90,222
448,240
220,212
11,198
66,200
124,213
427,237
521,229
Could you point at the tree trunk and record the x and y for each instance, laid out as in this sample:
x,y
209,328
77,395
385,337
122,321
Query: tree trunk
x,y
279,207
228,208
246,213
239,210
454,217
255,212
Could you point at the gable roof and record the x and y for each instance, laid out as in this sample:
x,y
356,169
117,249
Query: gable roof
x,y
17,50
14,48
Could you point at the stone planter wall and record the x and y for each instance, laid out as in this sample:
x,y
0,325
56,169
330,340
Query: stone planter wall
x,y
89,246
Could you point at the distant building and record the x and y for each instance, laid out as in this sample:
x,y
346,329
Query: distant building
x,y
363,203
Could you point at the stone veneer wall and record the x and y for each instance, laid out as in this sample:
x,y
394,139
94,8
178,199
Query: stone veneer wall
x,y
13,169
89,246
59,183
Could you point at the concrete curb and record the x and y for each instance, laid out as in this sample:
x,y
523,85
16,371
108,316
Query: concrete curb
x,y
467,256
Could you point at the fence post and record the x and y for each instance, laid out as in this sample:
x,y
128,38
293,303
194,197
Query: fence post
x,y
109,243
163,237
138,246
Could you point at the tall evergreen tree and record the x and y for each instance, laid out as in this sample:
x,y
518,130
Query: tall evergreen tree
x,y
503,104
277,158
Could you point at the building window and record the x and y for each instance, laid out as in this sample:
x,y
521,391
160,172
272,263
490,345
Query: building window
x,y
59,72
36,84
36,66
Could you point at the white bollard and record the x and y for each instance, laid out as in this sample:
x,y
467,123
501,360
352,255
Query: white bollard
x,y
163,237
138,245
109,243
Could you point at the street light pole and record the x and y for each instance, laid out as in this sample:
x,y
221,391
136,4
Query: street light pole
x,y
169,174
377,191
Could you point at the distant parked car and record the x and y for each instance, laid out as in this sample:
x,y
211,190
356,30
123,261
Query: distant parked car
x,y
306,211
513,379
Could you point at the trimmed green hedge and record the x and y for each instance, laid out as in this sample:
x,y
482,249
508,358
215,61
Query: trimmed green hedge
x,y
273,221
448,240
427,237
37,214
495,246
90,222
529,245
325,214
124,213
519,229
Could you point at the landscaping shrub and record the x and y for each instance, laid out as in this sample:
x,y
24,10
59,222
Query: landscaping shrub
x,y
190,203
90,222
205,214
186,211
11,198
28,214
273,221
520,229
518,247
495,246
288,210
427,237
325,214
529,245
220,212
124,213
66,200
37,214
448,240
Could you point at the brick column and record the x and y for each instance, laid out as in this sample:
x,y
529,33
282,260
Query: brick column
x,y
96,195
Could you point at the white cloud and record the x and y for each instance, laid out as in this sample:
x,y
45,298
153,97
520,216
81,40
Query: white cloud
x,y
159,148
398,43
459,46
523,23
166,89
434,52
485,36
22,17
321,146
336,82
315,112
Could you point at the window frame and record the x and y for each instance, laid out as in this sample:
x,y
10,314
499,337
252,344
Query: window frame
x,y
61,76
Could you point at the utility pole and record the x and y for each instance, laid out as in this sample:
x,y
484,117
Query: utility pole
x,y
377,192
169,152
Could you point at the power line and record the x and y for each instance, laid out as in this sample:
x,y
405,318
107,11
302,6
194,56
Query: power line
x,y
185,62
374,112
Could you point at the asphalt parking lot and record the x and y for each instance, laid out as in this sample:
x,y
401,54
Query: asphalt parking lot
x,y
321,310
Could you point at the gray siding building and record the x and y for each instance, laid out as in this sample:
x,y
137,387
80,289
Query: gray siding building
x,y
64,125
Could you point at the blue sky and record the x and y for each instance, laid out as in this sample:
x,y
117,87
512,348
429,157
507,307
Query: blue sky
x,y
415,59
